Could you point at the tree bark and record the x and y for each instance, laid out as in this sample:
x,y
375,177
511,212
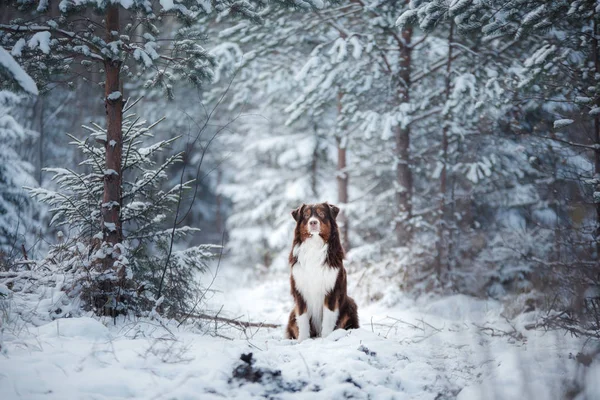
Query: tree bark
x,y
597,137
218,202
111,200
342,182
41,149
404,181
314,164
439,263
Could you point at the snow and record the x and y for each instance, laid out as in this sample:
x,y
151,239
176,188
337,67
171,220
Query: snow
x,y
4,291
166,4
110,172
405,17
561,123
545,216
139,53
64,5
84,327
427,349
357,47
14,69
17,49
533,15
114,95
540,56
340,49
41,40
42,5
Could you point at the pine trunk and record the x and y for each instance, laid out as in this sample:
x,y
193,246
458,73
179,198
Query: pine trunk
x,y
218,202
41,149
111,201
342,182
402,136
597,138
314,166
439,261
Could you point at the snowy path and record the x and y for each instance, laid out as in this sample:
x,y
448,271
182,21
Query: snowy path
x,y
430,351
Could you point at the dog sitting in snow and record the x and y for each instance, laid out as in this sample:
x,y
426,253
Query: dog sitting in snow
x,y
318,277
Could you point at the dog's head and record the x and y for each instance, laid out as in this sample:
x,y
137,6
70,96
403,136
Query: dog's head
x,y
316,219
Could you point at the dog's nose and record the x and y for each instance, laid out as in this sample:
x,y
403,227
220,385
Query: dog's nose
x,y
313,223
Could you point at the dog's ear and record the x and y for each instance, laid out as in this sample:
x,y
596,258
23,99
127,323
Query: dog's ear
x,y
335,210
297,213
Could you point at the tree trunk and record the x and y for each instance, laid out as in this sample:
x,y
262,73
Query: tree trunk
x,y
402,135
40,101
342,182
111,201
439,263
597,137
314,163
218,202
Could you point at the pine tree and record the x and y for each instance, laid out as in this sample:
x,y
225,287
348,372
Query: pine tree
x,y
108,44
560,73
139,278
550,89
18,221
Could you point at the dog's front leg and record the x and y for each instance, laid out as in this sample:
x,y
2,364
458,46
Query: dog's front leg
x,y
303,326
330,315
302,319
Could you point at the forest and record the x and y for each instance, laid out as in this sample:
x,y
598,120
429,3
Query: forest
x,y
152,153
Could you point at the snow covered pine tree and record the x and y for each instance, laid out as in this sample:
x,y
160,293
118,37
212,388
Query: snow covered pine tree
x,y
17,221
50,45
145,252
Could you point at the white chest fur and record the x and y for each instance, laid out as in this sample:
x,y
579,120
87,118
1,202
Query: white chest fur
x,y
313,278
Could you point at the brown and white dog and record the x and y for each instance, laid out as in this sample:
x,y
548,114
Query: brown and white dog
x,y
318,277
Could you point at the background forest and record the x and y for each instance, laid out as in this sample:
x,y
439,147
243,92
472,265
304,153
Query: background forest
x,y
143,143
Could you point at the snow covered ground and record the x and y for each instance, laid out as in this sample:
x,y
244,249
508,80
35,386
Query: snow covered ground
x,y
448,348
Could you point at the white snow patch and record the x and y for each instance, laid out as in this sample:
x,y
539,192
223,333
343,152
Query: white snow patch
x,y
4,290
83,327
139,53
318,3
17,49
166,4
41,40
18,73
114,95
561,123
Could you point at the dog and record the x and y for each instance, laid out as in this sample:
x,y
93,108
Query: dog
x,y
318,277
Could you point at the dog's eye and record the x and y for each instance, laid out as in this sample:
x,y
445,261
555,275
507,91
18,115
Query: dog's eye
x,y
306,213
321,213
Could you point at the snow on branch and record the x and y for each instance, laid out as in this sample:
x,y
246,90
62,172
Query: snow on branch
x,y
8,63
